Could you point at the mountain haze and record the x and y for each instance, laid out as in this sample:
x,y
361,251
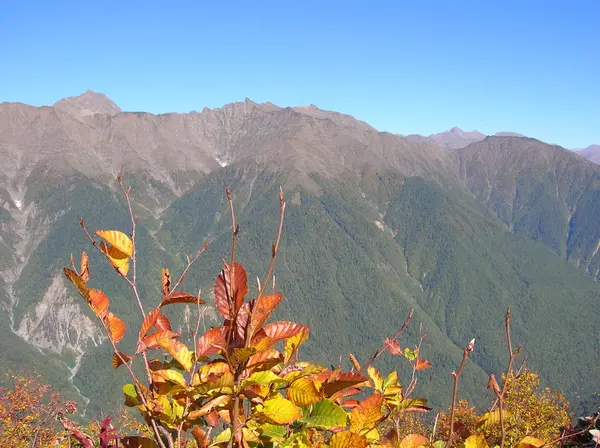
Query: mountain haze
x,y
377,224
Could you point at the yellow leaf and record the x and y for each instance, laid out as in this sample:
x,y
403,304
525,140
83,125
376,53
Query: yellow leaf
x,y
347,439
118,240
303,392
367,414
376,378
476,441
118,259
528,442
171,375
279,411
292,344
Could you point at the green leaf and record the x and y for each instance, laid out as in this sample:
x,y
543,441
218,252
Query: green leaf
x,y
411,355
274,433
264,378
326,414
131,396
438,444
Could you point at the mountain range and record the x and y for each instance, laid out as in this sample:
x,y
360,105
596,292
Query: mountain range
x,y
457,226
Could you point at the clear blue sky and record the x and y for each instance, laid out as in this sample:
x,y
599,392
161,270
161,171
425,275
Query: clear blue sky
x,y
405,66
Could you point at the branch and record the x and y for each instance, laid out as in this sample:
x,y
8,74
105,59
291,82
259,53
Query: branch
x,y
396,336
466,353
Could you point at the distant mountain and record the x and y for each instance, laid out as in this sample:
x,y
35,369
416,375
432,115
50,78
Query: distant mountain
x,y
456,138
88,103
592,153
377,224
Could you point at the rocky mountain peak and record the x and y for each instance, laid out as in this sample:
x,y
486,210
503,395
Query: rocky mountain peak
x,y
88,103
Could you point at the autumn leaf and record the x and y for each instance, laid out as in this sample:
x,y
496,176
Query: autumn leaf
x,y
84,270
211,342
414,441
367,415
181,297
476,441
220,401
347,439
341,381
262,309
117,259
149,322
222,288
393,346
303,392
98,302
279,411
166,282
264,359
422,364
118,240
78,282
162,323
118,360
152,341
171,375
115,326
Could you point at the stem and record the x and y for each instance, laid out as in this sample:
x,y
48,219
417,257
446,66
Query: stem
x,y
275,246
466,352
511,357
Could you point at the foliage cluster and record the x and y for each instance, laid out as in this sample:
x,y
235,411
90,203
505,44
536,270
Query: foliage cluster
x,y
242,383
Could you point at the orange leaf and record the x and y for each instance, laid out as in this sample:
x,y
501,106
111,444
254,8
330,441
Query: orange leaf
x,y
200,437
162,323
116,327
422,364
153,341
220,401
85,268
413,441
98,302
118,240
116,360
367,414
354,362
166,282
347,439
149,322
211,342
181,297
261,309
78,282
264,360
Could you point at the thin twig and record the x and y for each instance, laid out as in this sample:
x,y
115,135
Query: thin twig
x,y
275,247
466,353
396,336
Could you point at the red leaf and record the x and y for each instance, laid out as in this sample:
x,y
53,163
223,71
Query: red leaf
x,y
393,346
181,297
339,381
264,360
278,331
162,323
422,364
223,293
212,419
261,310
200,437
211,342
149,322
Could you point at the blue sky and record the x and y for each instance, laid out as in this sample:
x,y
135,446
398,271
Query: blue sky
x,y
404,66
